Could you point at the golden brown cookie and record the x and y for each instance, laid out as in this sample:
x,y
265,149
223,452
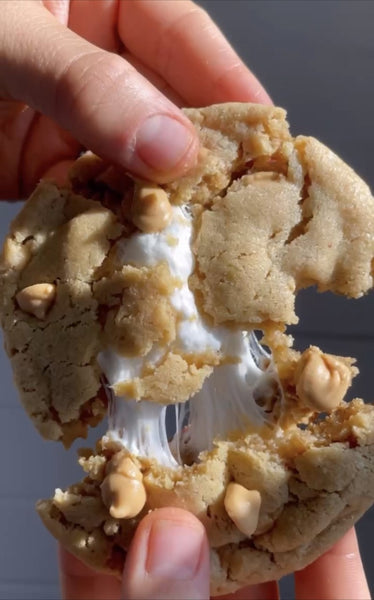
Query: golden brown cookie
x,y
306,488
126,295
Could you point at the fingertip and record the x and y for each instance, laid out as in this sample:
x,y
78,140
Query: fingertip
x,y
239,84
165,148
347,546
168,558
336,575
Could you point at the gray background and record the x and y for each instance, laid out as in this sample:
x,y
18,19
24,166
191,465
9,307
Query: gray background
x,y
316,59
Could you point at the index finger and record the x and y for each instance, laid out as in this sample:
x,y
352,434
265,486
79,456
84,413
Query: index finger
x,y
181,43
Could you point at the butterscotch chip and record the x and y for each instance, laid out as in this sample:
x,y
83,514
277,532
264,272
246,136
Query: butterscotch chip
x,y
150,209
322,380
37,299
243,507
124,497
121,463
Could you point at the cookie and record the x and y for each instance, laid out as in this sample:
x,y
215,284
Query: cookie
x,y
272,501
121,296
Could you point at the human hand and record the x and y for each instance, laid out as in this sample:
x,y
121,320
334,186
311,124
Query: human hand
x,y
108,75
169,559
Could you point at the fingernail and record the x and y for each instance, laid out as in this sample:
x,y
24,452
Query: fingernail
x,y
162,142
174,550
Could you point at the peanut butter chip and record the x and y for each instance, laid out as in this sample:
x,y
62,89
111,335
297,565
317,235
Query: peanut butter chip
x,y
122,490
124,497
150,210
321,380
122,463
243,507
36,299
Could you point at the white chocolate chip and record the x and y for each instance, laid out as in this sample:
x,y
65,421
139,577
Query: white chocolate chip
x,y
36,299
150,209
243,507
322,380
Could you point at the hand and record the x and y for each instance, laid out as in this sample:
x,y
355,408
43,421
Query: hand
x,y
76,74
169,559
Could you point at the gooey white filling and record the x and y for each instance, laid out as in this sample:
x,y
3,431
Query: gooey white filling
x,y
226,401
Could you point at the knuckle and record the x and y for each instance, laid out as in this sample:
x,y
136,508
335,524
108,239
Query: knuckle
x,y
85,82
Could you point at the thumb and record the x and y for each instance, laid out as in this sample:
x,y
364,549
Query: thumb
x,y
96,95
168,558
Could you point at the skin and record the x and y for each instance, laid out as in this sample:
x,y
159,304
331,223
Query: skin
x,y
110,75
156,569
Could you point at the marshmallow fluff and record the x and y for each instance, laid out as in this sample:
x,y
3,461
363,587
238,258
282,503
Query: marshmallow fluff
x,y
227,400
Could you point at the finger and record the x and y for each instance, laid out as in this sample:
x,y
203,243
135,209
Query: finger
x,y
263,591
96,22
58,173
79,582
154,79
337,575
15,121
168,558
96,95
179,41
58,8
36,162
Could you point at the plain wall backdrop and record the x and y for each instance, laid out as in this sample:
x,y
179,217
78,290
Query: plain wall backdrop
x,y
316,58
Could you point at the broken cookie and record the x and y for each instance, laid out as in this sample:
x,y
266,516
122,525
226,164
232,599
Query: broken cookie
x,y
123,297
